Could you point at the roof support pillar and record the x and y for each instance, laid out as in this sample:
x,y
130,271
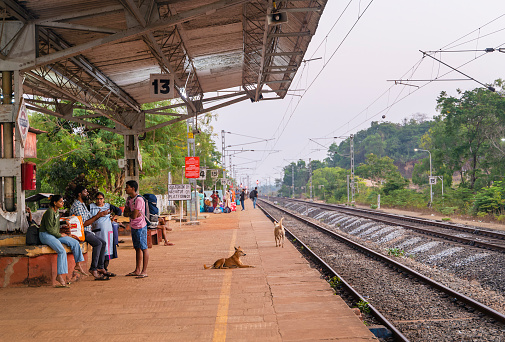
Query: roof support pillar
x,y
11,217
133,157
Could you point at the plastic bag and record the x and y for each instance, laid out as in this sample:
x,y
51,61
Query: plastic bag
x,y
76,226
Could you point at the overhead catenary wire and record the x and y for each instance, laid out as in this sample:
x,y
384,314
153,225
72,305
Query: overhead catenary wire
x,y
323,67
400,97
418,63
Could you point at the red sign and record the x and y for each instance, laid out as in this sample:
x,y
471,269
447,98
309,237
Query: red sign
x,y
192,167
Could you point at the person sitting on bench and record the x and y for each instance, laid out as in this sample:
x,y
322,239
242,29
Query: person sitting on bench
x,y
49,234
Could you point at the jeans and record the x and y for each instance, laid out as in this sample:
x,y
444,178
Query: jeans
x,y
254,202
242,203
98,256
56,244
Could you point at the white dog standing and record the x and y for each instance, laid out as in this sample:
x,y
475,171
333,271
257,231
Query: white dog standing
x,y
279,234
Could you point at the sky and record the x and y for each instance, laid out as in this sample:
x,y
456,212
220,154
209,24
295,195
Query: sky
x,y
348,88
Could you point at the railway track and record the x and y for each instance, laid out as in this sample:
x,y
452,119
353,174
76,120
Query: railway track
x,y
471,236
412,304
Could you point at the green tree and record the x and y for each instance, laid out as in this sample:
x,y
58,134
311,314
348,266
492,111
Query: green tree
x,y
467,122
377,169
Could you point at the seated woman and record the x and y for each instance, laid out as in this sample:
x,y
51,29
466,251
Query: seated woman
x,y
49,234
103,228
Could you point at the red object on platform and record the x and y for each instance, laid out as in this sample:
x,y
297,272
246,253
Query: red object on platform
x,y
192,167
28,175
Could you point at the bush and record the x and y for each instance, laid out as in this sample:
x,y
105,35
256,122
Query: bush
x,y
490,199
448,210
404,198
446,218
373,206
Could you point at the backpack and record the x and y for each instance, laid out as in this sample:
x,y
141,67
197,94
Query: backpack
x,y
32,235
151,220
251,194
152,201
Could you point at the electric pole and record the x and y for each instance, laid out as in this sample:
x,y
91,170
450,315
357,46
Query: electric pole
x,y
310,173
352,167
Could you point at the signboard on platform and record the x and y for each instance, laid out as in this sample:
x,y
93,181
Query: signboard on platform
x,y
214,173
203,174
433,180
179,192
161,86
192,167
22,122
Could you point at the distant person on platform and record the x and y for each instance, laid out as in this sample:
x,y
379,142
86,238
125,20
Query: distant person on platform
x,y
242,198
78,208
254,196
135,209
226,199
49,234
215,199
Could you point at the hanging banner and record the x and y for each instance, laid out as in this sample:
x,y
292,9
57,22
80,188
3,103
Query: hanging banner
x,y
192,167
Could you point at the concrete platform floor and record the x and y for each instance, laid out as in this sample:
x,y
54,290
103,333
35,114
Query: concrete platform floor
x,y
281,299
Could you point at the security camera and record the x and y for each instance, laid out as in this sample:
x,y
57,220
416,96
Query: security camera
x,y
384,116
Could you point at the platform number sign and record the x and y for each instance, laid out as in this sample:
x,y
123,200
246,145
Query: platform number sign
x,y
161,86
433,180
203,174
214,173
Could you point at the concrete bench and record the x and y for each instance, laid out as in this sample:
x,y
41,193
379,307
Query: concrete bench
x,y
30,265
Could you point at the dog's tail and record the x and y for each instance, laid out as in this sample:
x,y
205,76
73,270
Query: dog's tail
x,y
206,267
280,222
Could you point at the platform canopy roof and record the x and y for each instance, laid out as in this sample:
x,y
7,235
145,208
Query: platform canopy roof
x,y
98,55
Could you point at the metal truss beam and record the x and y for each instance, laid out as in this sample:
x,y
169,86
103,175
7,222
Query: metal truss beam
x,y
134,32
83,14
165,63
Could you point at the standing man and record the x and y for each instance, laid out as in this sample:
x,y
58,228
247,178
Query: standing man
x,y
242,198
78,208
254,196
135,209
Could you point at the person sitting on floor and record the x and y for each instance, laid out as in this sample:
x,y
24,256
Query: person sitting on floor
x,y
49,234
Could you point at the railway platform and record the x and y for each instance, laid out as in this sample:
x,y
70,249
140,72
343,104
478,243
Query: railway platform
x,y
280,299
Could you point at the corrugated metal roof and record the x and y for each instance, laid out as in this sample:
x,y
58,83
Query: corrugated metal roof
x,y
101,53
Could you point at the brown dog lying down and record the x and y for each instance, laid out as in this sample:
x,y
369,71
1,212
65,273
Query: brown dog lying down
x,y
279,234
231,262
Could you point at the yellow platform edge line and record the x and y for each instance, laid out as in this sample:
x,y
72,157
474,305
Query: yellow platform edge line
x,y
224,301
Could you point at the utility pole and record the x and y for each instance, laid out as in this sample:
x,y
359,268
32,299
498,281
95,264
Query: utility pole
x,y
293,180
223,157
310,173
352,167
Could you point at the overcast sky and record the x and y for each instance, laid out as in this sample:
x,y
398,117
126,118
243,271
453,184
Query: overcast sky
x,y
346,96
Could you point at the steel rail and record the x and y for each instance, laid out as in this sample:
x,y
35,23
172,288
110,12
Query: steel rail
x,y
404,269
375,312
388,217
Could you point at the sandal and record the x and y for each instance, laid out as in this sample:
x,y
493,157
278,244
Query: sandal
x,y
102,277
61,286
108,274
132,274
